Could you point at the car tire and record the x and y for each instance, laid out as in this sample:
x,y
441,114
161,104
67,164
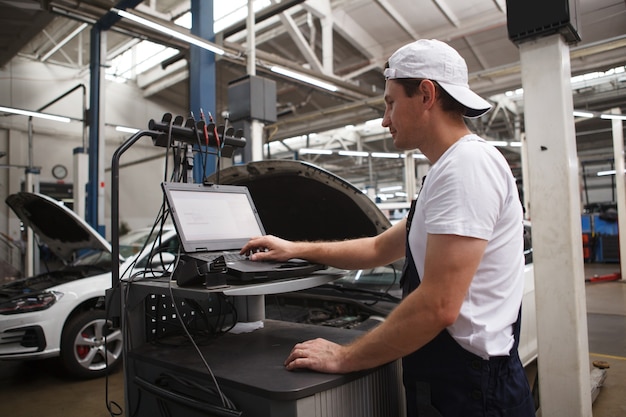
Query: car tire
x,y
83,350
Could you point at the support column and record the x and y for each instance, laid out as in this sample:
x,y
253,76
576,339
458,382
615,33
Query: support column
x,y
564,374
255,140
202,78
31,251
422,171
252,99
620,186
409,176
521,137
97,54
328,52
80,180
95,186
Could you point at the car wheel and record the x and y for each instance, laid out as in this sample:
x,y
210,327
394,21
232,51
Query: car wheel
x,y
83,350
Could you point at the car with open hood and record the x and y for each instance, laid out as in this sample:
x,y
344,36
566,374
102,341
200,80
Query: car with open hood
x,y
61,312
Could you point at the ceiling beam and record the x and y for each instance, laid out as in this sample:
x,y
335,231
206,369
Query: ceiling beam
x,y
23,34
63,42
447,12
356,35
398,18
301,42
262,15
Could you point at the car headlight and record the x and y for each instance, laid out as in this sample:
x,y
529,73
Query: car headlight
x,y
31,302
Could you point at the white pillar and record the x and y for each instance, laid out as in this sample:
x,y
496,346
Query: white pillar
x,y
251,40
31,250
564,374
255,141
620,186
328,52
409,176
422,171
80,180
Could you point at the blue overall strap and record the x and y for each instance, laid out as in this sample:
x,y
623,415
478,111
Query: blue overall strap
x,y
409,280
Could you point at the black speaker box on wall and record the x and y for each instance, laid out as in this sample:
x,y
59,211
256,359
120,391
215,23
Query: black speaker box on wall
x,y
528,19
252,97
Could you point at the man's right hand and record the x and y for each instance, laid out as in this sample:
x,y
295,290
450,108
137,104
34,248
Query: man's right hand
x,y
268,248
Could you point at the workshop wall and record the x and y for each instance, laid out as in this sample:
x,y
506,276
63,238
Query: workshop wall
x,y
30,85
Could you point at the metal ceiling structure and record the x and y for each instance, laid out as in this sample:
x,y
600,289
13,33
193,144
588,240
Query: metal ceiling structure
x,y
346,43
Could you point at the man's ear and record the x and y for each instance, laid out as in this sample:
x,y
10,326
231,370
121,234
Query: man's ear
x,y
429,92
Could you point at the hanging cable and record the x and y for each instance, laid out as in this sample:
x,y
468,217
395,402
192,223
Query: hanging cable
x,y
218,146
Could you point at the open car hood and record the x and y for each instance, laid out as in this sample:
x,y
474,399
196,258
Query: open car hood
x,y
300,201
62,230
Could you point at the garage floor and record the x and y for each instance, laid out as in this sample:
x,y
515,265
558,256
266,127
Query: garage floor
x,y
34,389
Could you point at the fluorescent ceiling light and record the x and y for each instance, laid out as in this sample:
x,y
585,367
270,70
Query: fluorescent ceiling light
x,y
419,156
612,116
499,143
376,122
587,114
126,129
35,114
303,78
168,31
305,151
353,153
610,172
605,173
391,188
515,144
385,155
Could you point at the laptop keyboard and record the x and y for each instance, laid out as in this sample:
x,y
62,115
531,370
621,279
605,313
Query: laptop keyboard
x,y
228,256
234,256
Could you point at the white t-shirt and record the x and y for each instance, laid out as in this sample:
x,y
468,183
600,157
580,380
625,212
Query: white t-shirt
x,y
470,191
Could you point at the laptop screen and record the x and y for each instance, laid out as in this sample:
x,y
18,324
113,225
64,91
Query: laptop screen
x,y
212,217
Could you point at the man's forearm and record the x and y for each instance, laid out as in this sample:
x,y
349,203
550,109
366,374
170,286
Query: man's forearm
x,y
409,327
363,253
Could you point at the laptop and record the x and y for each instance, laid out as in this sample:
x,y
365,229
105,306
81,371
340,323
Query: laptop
x,y
213,223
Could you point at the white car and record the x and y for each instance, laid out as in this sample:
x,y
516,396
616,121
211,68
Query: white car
x,y
62,312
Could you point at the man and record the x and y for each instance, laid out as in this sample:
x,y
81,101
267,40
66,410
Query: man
x,y
457,327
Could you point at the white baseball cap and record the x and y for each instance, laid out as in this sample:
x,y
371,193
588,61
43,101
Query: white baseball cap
x,y
437,61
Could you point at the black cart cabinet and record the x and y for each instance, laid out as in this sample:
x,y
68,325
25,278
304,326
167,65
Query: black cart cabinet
x,y
168,376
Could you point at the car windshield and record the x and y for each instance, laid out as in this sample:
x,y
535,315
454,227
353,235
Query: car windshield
x,y
130,244
94,258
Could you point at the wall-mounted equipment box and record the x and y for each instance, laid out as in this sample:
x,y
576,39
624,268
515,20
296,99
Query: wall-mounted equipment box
x,y
528,19
252,97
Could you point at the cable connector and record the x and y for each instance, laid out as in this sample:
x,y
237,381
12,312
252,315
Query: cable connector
x,y
218,264
191,271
